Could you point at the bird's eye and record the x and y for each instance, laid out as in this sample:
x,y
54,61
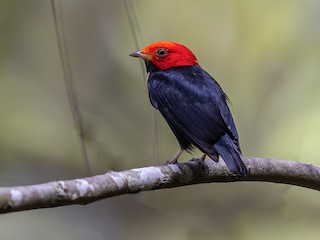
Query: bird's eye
x,y
162,52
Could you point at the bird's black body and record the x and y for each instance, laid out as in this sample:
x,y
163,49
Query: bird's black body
x,y
195,107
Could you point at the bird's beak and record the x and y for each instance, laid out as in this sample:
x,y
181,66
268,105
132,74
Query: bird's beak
x,y
140,54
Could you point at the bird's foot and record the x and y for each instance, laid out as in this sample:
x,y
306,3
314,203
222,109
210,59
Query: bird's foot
x,y
174,160
202,163
200,160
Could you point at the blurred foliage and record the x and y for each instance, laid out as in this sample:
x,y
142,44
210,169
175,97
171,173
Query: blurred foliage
x,y
265,55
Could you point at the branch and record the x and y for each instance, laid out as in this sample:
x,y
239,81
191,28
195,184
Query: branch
x,y
87,190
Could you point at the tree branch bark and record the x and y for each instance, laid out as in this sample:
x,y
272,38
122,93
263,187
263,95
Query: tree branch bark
x,y
87,190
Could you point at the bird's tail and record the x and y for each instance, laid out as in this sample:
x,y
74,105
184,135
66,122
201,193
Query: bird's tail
x,y
226,148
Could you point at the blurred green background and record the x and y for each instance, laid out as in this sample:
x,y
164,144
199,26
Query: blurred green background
x,y
265,55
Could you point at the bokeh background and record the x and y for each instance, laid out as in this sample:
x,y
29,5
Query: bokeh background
x,y
265,55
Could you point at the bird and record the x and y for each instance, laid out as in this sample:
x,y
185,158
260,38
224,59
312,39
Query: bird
x,y
192,103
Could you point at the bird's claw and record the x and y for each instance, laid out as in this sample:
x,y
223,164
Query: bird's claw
x,y
171,162
202,163
199,160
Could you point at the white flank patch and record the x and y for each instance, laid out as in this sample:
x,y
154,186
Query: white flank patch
x,y
16,197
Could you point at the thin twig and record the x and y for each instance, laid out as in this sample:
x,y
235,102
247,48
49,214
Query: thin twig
x,y
68,80
139,41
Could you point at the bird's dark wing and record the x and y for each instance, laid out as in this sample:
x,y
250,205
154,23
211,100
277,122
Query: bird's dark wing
x,y
193,104
227,117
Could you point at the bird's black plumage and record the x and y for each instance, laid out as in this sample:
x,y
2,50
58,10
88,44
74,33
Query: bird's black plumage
x,y
195,108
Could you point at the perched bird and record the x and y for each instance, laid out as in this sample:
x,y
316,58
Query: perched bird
x,y
192,103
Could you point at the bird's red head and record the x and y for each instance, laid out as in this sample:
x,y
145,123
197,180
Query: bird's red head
x,y
165,55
